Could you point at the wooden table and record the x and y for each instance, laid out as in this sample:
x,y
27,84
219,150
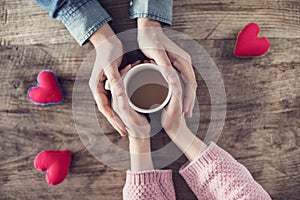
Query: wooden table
x,y
262,128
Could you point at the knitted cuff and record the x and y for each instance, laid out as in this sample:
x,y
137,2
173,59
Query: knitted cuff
x,y
148,177
212,153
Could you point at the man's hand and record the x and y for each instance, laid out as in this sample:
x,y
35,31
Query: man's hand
x,y
157,46
105,69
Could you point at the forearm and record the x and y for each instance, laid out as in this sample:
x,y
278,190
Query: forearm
x,y
147,22
107,46
140,154
193,151
187,142
102,34
159,10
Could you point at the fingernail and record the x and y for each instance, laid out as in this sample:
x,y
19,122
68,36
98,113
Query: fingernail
x,y
122,133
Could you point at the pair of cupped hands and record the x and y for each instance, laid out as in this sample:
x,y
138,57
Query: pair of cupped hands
x,y
160,50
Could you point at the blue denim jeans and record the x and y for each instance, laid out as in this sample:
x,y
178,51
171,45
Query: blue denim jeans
x,y
83,17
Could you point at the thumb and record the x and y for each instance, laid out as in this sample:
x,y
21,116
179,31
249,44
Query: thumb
x,y
120,100
175,87
113,75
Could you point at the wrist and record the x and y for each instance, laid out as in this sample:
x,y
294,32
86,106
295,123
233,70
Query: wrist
x,y
139,145
187,142
140,154
195,149
102,34
147,22
175,129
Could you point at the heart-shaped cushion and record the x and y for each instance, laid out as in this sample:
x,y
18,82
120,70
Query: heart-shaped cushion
x,y
47,91
248,43
56,163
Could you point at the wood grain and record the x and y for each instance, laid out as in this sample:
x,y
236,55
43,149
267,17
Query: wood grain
x,y
262,128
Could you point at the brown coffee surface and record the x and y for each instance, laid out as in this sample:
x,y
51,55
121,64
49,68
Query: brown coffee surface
x,y
149,95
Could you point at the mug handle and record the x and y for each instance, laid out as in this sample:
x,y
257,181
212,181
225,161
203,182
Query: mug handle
x,y
106,85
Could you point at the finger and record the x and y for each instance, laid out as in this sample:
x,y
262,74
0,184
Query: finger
x,y
174,107
121,106
153,62
104,107
189,80
168,72
125,70
136,63
181,60
175,87
160,57
113,75
129,66
189,99
131,118
112,118
149,61
121,100
102,76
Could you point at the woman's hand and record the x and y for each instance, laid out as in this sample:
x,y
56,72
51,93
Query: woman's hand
x,y
174,123
172,119
136,124
157,46
137,127
110,47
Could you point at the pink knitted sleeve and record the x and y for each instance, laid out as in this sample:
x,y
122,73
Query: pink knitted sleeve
x,y
152,184
217,175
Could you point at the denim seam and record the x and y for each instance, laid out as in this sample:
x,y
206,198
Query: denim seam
x,y
155,16
69,13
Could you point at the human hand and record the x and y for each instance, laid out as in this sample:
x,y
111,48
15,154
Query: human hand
x,y
157,46
174,123
172,119
137,127
136,124
105,69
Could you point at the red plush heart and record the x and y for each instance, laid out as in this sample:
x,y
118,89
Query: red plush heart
x,y
249,44
47,91
55,162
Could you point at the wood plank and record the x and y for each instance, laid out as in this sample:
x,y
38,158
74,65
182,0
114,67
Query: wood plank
x,y
262,124
212,19
24,22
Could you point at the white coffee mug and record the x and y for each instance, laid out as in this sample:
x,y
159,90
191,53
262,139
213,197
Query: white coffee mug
x,y
140,75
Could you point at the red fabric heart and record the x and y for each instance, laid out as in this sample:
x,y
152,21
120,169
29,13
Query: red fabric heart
x,y
55,162
249,44
47,91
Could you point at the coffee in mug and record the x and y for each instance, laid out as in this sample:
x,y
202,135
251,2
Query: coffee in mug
x,y
149,95
146,87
